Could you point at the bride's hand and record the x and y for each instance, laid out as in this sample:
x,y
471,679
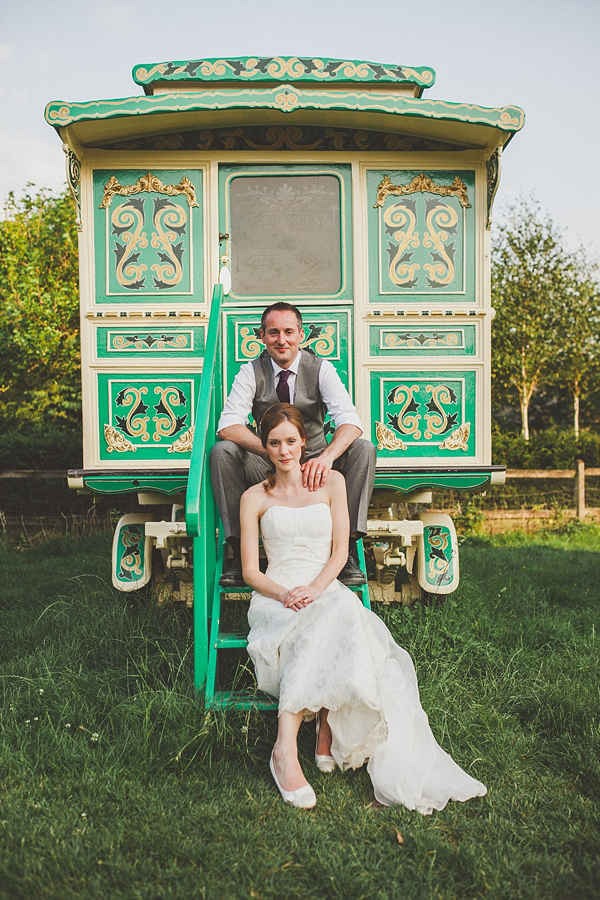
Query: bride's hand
x,y
299,597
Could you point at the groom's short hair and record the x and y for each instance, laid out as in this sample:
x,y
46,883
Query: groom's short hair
x,y
280,306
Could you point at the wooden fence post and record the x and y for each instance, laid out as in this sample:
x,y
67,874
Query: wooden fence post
x,y
580,489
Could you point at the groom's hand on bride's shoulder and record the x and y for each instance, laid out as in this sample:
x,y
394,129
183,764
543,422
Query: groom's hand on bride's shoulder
x,y
315,473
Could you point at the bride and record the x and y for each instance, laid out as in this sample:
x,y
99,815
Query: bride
x,y
320,651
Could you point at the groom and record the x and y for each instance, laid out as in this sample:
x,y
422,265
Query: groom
x,y
285,374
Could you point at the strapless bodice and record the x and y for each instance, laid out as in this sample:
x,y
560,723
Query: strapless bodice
x,y
297,536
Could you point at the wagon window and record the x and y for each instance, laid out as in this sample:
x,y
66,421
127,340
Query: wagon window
x,y
285,235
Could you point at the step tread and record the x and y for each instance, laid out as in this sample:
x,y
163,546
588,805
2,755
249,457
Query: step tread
x,y
244,700
231,639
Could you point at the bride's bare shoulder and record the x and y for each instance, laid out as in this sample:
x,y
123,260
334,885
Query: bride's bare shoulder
x,y
336,485
256,497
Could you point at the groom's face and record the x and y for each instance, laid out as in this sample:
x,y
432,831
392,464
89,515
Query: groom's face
x,y
282,337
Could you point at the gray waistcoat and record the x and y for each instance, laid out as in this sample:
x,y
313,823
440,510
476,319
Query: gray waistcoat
x,y
307,399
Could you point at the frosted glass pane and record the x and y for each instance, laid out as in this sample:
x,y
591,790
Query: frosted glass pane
x,y
285,234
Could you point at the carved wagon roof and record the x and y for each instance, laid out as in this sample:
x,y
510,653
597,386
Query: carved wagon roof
x,y
211,93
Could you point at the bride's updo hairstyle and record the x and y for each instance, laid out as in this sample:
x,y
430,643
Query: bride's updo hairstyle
x,y
274,416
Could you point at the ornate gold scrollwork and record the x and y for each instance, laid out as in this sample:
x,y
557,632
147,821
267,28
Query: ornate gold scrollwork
x,y
115,441
74,181
184,443
386,439
148,182
251,346
440,272
424,339
324,342
439,562
423,183
458,439
287,100
492,167
399,217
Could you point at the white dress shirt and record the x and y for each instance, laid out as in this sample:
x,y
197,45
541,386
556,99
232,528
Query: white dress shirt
x,y
238,406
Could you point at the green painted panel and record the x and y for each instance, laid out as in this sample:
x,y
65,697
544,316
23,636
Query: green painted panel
x,y
148,235
127,484
429,414
146,417
421,340
421,236
406,483
140,342
131,553
327,334
440,562
290,231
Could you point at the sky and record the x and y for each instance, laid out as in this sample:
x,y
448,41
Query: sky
x,y
541,55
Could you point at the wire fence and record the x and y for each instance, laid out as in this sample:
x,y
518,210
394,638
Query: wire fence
x,y
37,505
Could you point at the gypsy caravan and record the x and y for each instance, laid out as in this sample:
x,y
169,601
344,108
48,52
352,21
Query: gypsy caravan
x,y
335,185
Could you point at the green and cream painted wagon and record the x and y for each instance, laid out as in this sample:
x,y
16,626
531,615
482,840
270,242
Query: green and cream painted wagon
x,y
229,184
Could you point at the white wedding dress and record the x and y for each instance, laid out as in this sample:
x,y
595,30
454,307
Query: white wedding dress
x,y
336,654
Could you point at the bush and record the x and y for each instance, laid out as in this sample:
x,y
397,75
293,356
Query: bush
x,y
552,448
40,446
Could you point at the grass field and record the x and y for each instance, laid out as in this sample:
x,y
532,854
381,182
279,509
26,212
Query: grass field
x,y
115,784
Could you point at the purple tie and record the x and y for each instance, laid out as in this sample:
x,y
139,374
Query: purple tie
x,y
283,388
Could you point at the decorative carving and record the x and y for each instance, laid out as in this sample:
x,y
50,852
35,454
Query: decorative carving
x,y
441,271
458,440
322,339
400,222
386,439
407,420
167,423
287,99
423,183
74,181
169,220
439,555
493,168
148,182
423,339
276,67
251,345
135,423
131,561
281,137
438,420
151,342
127,220
184,442
117,442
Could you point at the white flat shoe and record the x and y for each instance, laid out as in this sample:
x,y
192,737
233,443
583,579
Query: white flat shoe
x,y
323,762
304,797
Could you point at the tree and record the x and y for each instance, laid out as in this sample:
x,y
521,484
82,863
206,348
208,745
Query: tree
x,y
39,317
579,355
530,274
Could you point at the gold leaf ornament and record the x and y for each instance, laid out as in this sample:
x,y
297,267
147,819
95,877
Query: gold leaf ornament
x,y
424,184
148,182
387,439
184,443
458,440
116,442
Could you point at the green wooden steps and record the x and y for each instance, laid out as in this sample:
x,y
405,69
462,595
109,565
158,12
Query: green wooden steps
x,y
237,640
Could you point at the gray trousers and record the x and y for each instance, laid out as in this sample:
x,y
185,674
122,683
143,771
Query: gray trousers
x,y
233,470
